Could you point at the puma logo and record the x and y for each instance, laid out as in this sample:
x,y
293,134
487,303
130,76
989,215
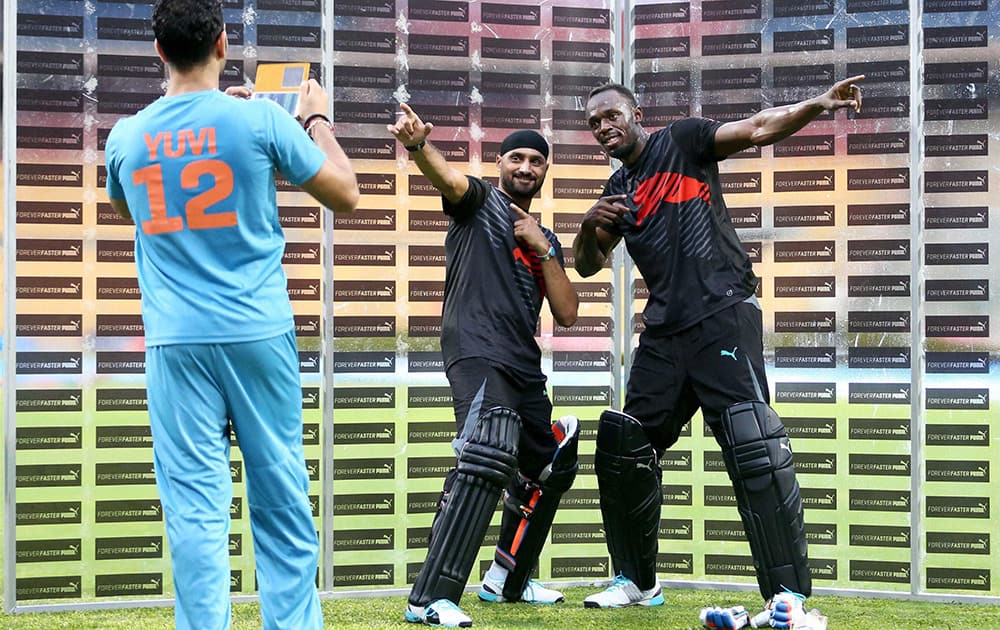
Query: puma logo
x,y
785,446
726,353
644,465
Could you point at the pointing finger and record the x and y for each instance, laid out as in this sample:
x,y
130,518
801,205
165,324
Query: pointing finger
x,y
520,212
411,115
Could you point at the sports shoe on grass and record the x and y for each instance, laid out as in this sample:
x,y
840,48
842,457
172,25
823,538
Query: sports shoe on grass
x,y
438,613
624,592
534,592
732,618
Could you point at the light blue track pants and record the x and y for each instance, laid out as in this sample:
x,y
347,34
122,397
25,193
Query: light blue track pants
x,y
195,391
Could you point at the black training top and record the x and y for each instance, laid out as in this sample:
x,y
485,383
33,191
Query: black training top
x,y
493,288
678,230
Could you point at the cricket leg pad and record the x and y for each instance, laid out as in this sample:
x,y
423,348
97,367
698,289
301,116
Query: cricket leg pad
x,y
629,482
758,458
530,507
486,464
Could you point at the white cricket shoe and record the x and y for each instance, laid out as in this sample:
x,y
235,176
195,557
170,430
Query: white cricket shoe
x,y
624,592
438,613
534,592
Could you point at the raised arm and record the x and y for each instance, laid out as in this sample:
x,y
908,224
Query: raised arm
x,y
412,133
777,123
592,244
563,301
335,185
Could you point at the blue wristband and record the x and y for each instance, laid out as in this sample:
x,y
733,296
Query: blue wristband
x,y
549,254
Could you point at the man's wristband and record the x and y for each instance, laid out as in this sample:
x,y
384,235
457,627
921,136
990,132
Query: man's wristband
x,y
312,117
549,254
415,147
318,122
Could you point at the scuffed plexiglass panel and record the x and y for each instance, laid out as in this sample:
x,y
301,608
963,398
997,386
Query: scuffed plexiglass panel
x,y
825,217
477,71
961,100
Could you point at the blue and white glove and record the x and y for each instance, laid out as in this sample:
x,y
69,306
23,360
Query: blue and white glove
x,y
783,611
716,618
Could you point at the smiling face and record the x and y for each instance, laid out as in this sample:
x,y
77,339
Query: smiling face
x,y
522,172
615,123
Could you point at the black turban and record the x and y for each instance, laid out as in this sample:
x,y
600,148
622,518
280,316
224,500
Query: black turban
x,y
525,139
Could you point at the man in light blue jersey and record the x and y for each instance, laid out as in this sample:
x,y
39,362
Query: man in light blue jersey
x,y
195,172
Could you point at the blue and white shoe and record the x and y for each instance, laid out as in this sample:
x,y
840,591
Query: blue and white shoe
x,y
441,613
623,592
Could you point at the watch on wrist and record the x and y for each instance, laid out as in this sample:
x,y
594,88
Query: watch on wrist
x,y
547,255
415,147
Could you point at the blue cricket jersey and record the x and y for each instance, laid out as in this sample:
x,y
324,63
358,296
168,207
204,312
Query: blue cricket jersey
x,y
197,173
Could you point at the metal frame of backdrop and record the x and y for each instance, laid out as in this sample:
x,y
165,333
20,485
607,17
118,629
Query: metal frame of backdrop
x,y
9,121
624,285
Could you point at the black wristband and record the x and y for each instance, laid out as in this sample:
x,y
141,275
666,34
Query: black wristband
x,y
415,147
312,117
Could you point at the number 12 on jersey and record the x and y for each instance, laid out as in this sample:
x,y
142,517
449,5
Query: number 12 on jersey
x,y
191,175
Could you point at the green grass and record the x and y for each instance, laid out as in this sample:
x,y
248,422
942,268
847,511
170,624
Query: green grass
x,y
679,613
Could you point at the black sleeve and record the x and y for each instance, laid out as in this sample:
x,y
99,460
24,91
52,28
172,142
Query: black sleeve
x,y
696,138
613,187
472,201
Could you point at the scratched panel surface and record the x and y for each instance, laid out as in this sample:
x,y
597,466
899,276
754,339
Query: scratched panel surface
x,y
961,98
852,303
477,71
825,217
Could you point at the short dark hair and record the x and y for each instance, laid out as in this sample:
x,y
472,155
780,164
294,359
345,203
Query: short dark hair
x,y
187,30
615,87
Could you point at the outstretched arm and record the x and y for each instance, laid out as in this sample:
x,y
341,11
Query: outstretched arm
x,y
413,132
777,123
563,301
